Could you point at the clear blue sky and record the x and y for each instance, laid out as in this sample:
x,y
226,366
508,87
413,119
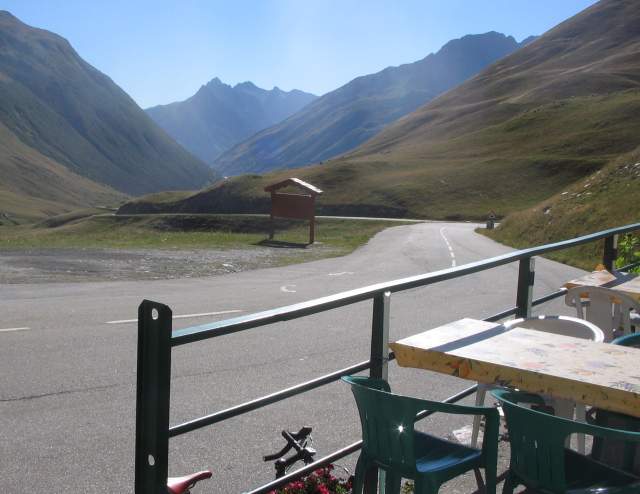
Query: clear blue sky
x,y
161,51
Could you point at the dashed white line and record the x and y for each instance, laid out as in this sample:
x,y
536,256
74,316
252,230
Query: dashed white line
x,y
183,316
341,273
9,330
287,289
451,253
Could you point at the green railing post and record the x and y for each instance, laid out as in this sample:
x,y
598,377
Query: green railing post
x,y
152,400
610,252
379,368
380,336
526,278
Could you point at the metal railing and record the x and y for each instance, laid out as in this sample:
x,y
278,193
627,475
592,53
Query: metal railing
x,y
156,340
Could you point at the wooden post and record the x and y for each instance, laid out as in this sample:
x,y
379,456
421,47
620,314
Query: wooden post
x,y
271,224
312,222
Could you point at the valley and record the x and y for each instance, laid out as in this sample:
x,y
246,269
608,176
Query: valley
x,y
131,175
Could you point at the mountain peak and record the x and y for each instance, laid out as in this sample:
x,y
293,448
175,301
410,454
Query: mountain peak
x,y
491,38
5,14
219,115
348,116
246,85
215,82
528,40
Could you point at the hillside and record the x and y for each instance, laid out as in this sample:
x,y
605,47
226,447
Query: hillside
x,y
219,116
608,198
342,119
32,185
519,132
58,112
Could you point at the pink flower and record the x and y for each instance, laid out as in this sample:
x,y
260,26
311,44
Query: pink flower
x,y
322,489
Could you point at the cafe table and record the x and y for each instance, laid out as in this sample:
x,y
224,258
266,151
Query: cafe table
x,y
626,283
598,374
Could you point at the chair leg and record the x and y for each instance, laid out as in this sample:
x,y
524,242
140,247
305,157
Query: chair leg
x,y
422,487
358,481
480,396
509,484
479,480
581,416
392,483
490,479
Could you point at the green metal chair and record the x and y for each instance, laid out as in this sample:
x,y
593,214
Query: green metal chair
x,y
632,340
540,461
614,452
391,443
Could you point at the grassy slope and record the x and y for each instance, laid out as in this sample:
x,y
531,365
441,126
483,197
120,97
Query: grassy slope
x,y
525,129
33,186
608,198
512,169
337,237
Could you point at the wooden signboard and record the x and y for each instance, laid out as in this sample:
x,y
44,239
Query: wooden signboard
x,y
297,206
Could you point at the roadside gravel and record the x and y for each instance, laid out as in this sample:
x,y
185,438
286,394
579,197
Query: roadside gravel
x,y
76,265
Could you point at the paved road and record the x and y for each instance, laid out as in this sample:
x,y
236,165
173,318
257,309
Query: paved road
x,y
67,392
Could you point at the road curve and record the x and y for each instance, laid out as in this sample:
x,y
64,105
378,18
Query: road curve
x,y
67,377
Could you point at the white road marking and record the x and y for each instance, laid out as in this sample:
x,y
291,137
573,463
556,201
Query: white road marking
x,y
341,273
183,316
446,241
286,289
8,330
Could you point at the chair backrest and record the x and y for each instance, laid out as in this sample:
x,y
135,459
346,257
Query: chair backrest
x,y
538,440
606,308
387,422
564,325
632,340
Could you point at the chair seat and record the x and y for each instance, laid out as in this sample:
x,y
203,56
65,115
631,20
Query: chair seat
x,y
583,472
434,454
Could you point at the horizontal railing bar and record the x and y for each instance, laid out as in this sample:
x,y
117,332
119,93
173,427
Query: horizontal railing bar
x,y
265,400
228,326
309,385
550,296
322,462
452,399
312,384
501,315
538,301
341,453
629,266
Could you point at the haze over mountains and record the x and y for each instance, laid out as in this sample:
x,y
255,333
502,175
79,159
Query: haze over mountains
x,y
219,116
530,125
70,136
342,119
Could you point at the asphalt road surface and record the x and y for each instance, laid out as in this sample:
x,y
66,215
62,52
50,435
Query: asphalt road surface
x,y
68,360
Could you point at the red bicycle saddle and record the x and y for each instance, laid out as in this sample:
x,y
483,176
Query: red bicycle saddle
x,y
180,485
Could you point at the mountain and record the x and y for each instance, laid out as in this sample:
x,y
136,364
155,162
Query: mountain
x,y
69,135
522,130
342,119
219,116
33,185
